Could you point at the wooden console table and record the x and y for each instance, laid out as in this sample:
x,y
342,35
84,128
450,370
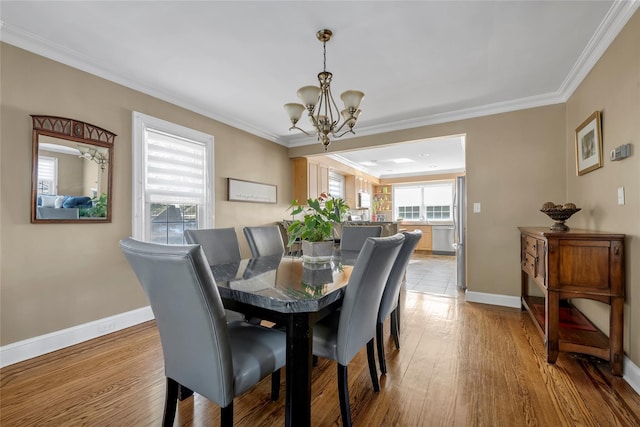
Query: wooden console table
x,y
574,264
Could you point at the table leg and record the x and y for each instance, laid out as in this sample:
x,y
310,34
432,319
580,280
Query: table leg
x,y
616,322
552,326
298,370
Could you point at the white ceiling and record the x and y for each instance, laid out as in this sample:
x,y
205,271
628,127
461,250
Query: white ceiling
x,y
239,62
424,157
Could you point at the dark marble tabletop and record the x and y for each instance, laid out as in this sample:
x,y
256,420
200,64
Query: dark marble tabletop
x,y
285,284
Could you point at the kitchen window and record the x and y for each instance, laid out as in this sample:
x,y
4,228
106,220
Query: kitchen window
x,y
172,180
336,185
409,212
431,201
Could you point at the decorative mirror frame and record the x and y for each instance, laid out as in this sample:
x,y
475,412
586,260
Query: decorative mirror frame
x,y
77,131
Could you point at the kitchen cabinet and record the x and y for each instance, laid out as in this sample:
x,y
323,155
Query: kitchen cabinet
x,y
569,265
353,186
309,179
425,242
383,201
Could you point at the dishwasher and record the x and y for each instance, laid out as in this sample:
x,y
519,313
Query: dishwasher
x,y
442,239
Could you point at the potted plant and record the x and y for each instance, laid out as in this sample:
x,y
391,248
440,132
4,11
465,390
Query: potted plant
x,y
375,207
315,228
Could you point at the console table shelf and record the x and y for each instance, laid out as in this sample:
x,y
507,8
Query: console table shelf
x,y
571,334
570,265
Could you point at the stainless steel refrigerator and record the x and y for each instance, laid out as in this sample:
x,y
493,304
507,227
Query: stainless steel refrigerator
x,y
460,232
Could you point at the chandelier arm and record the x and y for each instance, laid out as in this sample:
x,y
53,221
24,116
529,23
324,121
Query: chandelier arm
x,y
343,133
346,122
312,118
332,101
301,130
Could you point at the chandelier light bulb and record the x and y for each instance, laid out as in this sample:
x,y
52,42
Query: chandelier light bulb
x,y
352,99
309,96
295,111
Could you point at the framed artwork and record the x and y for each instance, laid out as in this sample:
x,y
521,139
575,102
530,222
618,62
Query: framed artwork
x,y
589,145
248,191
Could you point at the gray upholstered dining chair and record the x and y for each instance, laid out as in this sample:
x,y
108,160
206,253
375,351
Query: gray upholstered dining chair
x,y
353,237
342,334
390,297
264,240
214,359
220,246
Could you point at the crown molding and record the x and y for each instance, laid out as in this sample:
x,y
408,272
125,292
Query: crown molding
x,y
615,20
66,56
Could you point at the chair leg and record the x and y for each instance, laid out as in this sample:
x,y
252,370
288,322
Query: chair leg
x,y
372,366
315,361
184,392
226,416
398,309
380,343
395,327
343,392
170,403
275,385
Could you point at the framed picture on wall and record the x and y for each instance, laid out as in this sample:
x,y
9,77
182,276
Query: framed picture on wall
x,y
247,191
589,145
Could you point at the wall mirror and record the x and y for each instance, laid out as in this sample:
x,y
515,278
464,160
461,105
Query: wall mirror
x,y
72,171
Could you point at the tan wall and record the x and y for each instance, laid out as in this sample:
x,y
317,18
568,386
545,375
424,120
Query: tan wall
x,y
514,162
55,276
613,88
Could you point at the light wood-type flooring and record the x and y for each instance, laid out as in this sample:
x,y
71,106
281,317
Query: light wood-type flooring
x,y
460,364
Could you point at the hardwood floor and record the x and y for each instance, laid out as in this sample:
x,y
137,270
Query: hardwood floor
x,y
460,364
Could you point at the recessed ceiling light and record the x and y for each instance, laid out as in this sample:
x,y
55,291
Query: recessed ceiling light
x,y
402,160
368,163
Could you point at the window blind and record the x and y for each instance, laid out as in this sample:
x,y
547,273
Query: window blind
x,y
336,185
175,169
47,172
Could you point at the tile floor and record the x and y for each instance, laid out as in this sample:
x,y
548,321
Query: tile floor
x,y
433,274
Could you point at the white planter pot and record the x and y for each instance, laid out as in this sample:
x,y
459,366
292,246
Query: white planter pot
x,y
317,251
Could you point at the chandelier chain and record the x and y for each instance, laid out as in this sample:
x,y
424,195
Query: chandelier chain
x,y
324,64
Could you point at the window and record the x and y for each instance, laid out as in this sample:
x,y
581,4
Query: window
x,y
336,185
426,201
172,180
438,212
47,175
409,212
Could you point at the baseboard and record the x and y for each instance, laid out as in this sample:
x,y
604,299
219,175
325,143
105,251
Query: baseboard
x,y
631,374
493,299
37,346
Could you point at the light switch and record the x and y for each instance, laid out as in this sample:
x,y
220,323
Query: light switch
x,y
621,195
476,207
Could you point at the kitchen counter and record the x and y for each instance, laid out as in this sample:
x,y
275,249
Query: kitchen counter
x,y
432,223
389,228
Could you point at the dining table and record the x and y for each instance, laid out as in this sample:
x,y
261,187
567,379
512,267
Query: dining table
x,y
293,294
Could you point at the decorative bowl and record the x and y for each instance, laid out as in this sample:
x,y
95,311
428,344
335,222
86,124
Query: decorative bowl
x,y
559,216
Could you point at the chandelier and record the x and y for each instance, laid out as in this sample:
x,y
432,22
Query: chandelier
x,y
94,155
323,112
